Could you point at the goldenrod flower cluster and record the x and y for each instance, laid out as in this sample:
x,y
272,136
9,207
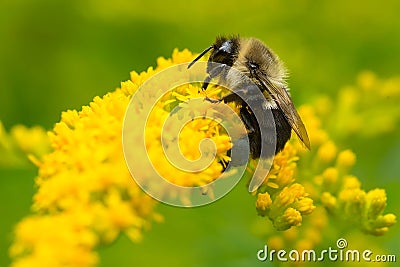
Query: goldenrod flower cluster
x,y
189,139
367,109
86,195
345,199
325,172
336,188
284,206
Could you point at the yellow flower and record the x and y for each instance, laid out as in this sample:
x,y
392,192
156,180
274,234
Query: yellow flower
x,y
283,168
325,171
346,159
327,151
290,201
189,140
86,195
313,125
263,203
353,113
304,205
308,236
32,140
376,223
364,209
286,208
22,143
376,202
64,239
329,201
291,217
330,175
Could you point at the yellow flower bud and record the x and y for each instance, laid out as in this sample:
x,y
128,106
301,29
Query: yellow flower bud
x,y
366,80
32,140
379,226
305,205
351,182
348,96
386,220
329,201
330,175
289,194
327,152
353,201
378,231
291,217
376,202
346,159
263,203
70,117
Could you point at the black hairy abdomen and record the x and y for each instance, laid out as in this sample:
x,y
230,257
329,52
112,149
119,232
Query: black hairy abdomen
x,y
278,127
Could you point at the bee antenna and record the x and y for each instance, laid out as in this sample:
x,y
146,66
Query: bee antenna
x,y
199,56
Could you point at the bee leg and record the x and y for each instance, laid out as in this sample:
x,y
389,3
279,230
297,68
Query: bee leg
x,y
212,100
214,72
206,82
247,119
232,97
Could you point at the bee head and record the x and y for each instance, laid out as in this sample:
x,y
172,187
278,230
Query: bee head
x,y
224,51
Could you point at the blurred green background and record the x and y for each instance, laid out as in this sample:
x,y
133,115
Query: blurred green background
x,y
58,55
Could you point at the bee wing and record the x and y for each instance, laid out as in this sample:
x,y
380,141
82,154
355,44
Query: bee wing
x,y
284,102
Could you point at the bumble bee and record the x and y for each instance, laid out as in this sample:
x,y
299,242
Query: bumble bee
x,y
263,67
